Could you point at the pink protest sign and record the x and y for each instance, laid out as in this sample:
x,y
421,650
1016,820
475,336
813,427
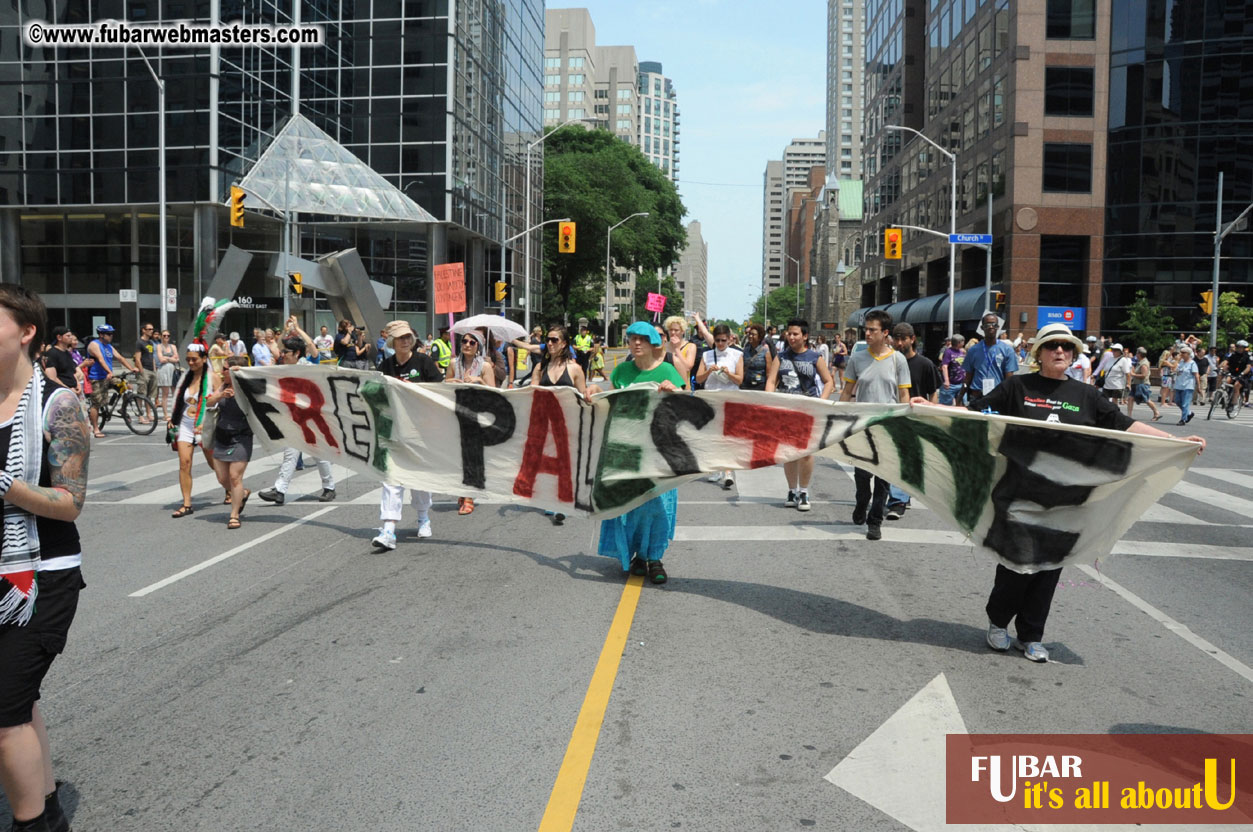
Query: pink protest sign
x,y
450,288
656,302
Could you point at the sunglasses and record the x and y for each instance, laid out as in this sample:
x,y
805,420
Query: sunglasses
x,y
1054,345
554,340
469,341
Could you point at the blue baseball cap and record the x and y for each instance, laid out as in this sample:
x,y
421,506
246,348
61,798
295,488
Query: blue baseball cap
x,y
645,330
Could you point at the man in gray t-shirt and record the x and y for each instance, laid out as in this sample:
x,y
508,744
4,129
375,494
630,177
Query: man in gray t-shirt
x,y
877,374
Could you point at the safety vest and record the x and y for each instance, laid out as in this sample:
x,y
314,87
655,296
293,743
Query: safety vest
x,y
443,353
583,343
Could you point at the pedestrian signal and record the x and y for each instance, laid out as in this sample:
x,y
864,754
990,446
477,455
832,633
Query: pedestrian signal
x,y
502,291
892,244
999,297
565,238
297,282
1207,303
237,206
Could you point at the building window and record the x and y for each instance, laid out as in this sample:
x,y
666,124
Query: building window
x,y
1071,20
552,63
846,138
552,115
1067,168
648,125
575,63
552,98
624,92
552,80
1063,270
575,96
576,113
624,124
1068,91
575,80
624,109
601,109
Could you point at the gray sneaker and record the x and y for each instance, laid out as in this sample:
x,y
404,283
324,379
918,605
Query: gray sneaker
x,y
998,638
328,494
1033,650
272,495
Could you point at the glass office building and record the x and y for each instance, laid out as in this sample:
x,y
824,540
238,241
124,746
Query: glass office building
x,y
440,98
1180,111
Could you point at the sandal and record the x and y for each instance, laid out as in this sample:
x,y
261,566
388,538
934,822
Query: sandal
x,y
467,506
656,572
227,501
1158,416
183,511
99,434
244,501
233,523
638,567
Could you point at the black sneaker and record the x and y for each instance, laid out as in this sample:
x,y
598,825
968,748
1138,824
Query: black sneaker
x,y
328,494
656,572
896,512
859,515
638,566
802,502
559,519
272,495
790,502
874,533
1189,419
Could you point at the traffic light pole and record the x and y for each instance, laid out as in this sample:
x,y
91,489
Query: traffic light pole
x,y
163,266
608,285
1220,234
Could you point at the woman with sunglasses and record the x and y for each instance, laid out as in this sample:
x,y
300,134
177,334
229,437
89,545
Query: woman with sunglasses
x,y
232,440
1048,395
469,366
188,418
167,369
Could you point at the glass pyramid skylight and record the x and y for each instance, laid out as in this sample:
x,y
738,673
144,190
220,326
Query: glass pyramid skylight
x,y
306,171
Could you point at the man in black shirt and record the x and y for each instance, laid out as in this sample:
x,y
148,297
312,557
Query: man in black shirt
x,y
925,382
58,363
408,365
145,361
1049,396
1238,364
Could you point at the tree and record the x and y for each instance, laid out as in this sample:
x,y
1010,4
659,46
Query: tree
x,y
649,282
598,180
1234,321
1150,325
782,306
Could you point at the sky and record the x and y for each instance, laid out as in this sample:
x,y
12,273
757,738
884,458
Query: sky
x,y
750,77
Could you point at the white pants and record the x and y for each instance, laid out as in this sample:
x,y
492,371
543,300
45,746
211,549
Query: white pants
x,y
393,500
288,469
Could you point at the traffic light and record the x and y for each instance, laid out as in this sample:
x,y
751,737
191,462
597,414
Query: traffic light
x,y
502,291
999,297
892,244
565,238
1207,303
296,280
237,206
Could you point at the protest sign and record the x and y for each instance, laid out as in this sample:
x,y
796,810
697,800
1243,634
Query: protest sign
x,y
655,302
1032,494
450,288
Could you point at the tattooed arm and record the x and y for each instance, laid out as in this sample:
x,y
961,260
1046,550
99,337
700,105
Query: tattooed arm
x,y
69,435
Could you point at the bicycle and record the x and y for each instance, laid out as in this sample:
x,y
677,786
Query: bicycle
x,y
131,406
1225,399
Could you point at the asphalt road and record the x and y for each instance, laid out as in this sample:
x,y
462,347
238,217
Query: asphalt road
x,y
285,677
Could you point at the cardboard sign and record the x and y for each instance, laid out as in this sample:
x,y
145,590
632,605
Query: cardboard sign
x,y
1032,495
450,288
656,302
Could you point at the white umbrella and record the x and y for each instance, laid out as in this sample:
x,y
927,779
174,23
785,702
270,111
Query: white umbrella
x,y
498,325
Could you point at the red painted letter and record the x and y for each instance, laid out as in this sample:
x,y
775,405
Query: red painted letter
x,y
288,389
546,418
766,427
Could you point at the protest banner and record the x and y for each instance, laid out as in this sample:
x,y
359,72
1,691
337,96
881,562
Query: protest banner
x,y
655,302
450,288
1031,494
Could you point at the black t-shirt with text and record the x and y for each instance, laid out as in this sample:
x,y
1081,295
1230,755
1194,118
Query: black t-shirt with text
x,y
419,367
63,363
1067,401
924,376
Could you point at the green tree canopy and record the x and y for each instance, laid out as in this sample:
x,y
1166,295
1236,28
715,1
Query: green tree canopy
x,y
598,180
1234,320
782,306
1150,325
649,282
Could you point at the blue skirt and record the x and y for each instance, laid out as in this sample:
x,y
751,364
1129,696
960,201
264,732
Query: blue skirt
x,y
645,530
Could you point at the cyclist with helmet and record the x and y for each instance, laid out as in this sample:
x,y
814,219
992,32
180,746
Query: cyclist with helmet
x,y
101,372
1240,364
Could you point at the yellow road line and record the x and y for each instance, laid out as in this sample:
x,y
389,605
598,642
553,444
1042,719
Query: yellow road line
x,y
563,803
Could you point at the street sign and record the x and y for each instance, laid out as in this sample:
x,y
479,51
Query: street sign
x,y
171,300
127,296
971,239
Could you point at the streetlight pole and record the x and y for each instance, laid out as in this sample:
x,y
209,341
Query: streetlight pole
x,y
952,215
796,263
1220,234
160,188
608,286
526,313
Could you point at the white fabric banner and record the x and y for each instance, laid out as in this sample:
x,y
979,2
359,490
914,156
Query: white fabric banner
x,y
1031,494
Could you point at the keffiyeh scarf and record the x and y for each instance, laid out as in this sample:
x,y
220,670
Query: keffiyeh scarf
x,y
19,551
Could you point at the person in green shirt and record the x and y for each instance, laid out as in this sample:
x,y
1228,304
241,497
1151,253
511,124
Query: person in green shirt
x,y
640,537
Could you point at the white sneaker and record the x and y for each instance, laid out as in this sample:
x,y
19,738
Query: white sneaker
x,y
998,638
385,540
1033,650
424,528
714,477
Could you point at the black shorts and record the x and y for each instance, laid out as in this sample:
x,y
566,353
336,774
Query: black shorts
x,y
27,652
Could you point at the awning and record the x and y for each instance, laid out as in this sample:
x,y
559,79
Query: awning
x,y
932,309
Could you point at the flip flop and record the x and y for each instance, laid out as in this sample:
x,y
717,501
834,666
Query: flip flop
x,y
99,434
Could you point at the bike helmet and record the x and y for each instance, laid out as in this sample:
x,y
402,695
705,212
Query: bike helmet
x,y
1242,343
104,329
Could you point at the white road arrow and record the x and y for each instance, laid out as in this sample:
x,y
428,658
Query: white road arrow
x,y
899,769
